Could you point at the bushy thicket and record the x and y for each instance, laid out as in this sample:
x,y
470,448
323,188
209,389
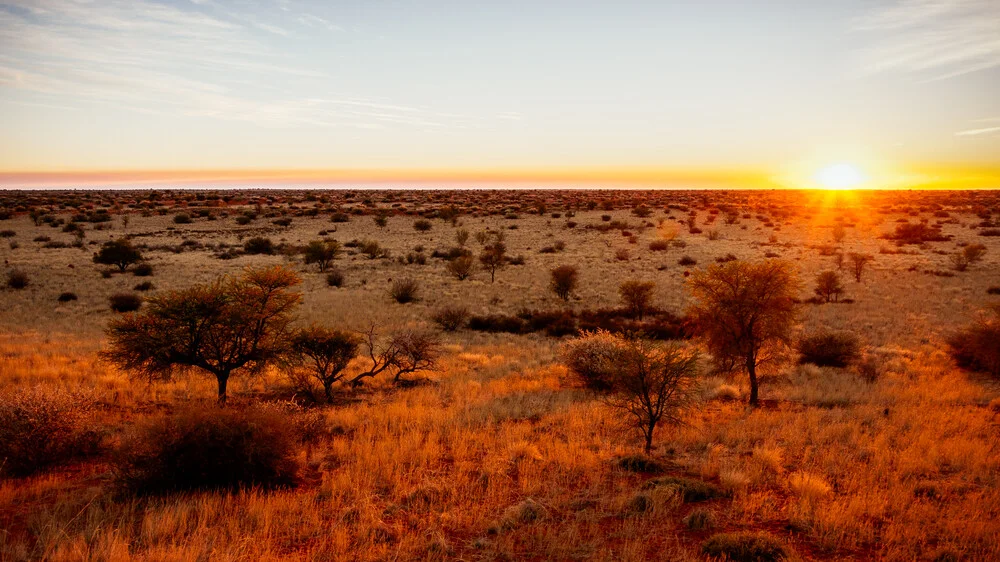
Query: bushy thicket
x,y
657,325
746,547
829,349
977,347
41,427
209,449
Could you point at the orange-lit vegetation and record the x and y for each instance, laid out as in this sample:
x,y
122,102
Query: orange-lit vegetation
x,y
518,377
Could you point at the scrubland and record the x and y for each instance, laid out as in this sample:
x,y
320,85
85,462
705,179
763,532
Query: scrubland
x,y
496,453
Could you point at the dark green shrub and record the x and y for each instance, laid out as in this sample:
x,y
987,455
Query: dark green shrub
x,y
119,253
209,449
258,245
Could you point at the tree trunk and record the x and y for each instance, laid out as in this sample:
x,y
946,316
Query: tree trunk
x,y
752,371
328,388
649,437
223,379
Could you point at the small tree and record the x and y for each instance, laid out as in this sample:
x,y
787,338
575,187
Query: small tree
x,y
838,233
563,281
652,384
494,256
858,262
324,353
406,352
230,326
120,253
322,253
977,346
828,286
461,236
969,255
637,296
744,312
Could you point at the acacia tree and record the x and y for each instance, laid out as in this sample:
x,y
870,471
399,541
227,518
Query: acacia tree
x,y
404,353
325,353
494,255
828,286
233,325
120,253
653,384
858,263
563,281
637,296
744,313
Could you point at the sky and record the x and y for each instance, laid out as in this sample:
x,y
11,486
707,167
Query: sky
x,y
679,93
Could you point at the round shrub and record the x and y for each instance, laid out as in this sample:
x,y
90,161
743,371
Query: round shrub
x,y
17,279
451,318
259,245
209,449
335,278
144,269
977,347
182,218
67,296
404,290
125,302
829,349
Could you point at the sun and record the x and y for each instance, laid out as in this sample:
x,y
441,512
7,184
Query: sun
x,y
840,176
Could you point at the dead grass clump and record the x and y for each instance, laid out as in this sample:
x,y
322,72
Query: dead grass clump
x,y
41,427
746,547
208,449
700,519
641,464
829,349
335,278
522,513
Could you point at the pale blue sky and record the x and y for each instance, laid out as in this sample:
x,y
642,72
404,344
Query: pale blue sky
x,y
449,84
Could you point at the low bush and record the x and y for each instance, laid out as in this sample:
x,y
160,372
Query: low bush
x,y
259,245
41,427
451,318
746,547
977,347
335,278
144,269
182,218
66,297
496,323
209,449
404,291
144,286
689,489
687,261
17,279
829,349
125,302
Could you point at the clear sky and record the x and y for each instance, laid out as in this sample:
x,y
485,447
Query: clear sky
x,y
101,91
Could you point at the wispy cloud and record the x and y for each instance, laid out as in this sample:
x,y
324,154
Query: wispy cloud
x,y
194,59
944,38
977,132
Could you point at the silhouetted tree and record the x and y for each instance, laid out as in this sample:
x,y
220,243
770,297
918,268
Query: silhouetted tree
x,y
563,281
828,286
494,255
858,262
120,253
322,253
235,324
324,354
637,296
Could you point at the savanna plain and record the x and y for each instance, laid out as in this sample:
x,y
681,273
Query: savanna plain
x,y
499,375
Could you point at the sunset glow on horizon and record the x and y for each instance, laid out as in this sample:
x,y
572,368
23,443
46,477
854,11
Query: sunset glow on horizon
x,y
719,94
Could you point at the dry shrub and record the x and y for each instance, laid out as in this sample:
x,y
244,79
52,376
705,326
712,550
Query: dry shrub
x,y
404,290
17,279
451,318
977,347
209,449
41,427
335,278
594,357
746,547
125,302
700,519
829,349
689,489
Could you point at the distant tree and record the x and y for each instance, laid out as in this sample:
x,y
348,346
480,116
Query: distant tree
x,y
637,296
828,286
322,253
233,325
494,256
838,233
858,263
563,281
323,354
120,253
744,312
